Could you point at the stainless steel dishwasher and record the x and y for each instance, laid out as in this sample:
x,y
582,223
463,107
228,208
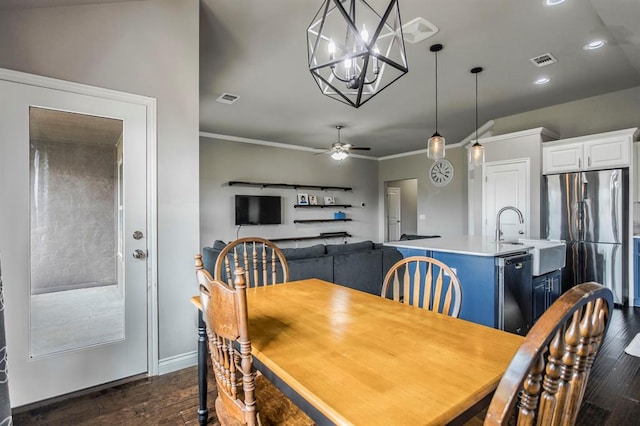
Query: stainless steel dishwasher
x,y
514,292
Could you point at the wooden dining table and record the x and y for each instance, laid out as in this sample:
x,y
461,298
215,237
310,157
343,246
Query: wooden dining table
x,y
349,357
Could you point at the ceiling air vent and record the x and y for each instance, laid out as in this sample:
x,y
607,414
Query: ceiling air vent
x,y
227,98
544,60
418,29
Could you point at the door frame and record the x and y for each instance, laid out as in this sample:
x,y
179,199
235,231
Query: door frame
x,y
150,105
527,210
399,191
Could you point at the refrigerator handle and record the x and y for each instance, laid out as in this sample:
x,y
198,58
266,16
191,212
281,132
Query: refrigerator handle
x,y
580,218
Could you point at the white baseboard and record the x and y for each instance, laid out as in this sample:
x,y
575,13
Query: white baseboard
x,y
177,362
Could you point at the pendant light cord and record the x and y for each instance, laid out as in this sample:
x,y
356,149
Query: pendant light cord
x,y
436,92
477,108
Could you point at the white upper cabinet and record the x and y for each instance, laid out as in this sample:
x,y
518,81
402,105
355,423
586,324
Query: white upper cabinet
x,y
592,152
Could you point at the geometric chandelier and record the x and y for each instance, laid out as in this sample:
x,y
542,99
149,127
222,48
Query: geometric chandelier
x,y
355,52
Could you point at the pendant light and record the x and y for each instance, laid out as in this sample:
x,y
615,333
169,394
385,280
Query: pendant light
x,y
435,147
476,157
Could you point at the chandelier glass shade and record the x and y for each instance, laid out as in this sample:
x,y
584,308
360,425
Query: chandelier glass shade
x,y
476,154
354,51
339,155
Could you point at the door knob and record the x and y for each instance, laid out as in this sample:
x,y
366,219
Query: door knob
x,y
139,254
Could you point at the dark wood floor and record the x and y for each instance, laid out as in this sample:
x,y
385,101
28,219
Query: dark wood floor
x,y
612,396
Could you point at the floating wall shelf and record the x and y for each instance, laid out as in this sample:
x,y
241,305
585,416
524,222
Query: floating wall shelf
x,y
322,206
315,237
320,220
289,185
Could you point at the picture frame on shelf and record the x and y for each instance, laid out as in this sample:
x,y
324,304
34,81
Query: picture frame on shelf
x,y
303,199
329,201
313,200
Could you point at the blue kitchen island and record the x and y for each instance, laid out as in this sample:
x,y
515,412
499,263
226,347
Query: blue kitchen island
x,y
495,277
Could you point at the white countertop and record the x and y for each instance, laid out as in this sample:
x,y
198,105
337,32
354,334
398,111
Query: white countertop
x,y
462,244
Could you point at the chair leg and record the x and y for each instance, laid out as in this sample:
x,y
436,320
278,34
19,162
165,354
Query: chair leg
x,y
203,411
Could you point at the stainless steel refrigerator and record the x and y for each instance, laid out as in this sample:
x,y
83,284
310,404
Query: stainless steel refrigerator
x,y
589,210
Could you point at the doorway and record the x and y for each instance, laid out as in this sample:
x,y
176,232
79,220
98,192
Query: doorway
x,y
401,208
80,304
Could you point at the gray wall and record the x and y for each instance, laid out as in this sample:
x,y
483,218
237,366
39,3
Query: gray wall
x,y
222,161
408,204
444,208
604,113
147,48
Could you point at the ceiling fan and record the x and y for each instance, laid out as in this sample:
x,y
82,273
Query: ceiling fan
x,y
340,151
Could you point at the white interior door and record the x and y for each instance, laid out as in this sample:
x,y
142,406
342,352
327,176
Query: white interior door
x,y
506,183
394,223
72,194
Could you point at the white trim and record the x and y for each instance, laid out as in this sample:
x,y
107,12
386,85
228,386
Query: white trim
x,y
273,144
177,362
152,202
529,132
631,133
319,151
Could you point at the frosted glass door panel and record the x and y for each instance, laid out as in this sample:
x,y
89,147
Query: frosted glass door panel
x,y
75,198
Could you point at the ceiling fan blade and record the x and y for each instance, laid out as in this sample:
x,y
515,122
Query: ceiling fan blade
x,y
360,148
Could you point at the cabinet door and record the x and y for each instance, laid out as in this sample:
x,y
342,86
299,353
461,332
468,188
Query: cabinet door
x,y
608,152
636,271
554,286
562,158
539,296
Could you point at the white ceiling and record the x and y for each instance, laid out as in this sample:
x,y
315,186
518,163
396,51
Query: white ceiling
x,y
256,49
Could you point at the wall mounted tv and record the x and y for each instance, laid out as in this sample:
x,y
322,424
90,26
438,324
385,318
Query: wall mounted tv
x,y
258,210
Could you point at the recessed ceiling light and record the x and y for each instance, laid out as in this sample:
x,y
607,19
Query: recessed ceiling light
x,y
595,44
542,80
553,2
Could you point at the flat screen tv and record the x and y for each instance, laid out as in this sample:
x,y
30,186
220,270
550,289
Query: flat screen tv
x,y
258,210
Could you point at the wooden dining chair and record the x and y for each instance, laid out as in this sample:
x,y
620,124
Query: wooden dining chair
x,y
262,261
424,282
548,374
245,397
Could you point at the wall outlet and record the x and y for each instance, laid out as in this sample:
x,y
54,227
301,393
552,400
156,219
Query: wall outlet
x,y
422,217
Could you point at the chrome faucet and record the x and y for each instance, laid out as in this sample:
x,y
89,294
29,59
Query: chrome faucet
x,y
498,230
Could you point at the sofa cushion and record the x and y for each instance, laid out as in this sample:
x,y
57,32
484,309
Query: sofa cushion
x,y
349,248
359,270
303,252
313,267
209,256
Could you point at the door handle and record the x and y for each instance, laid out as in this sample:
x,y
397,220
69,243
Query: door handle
x,y
579,162
139,254
589,161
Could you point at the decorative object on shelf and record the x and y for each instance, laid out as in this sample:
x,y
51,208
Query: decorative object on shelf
x,y
313,200
303,199
436,144
339,151
355,51
476,154
441,172
328,200
339,215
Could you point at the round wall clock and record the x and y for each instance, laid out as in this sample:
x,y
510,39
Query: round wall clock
x,y
441,172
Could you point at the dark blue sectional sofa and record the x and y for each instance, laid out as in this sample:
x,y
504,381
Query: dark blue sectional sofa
x,y
361,266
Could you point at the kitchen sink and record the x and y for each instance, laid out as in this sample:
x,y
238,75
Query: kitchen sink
x,y
547,255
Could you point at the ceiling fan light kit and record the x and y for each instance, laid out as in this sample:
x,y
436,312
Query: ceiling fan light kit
x,y
339,151
355,52
436,143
